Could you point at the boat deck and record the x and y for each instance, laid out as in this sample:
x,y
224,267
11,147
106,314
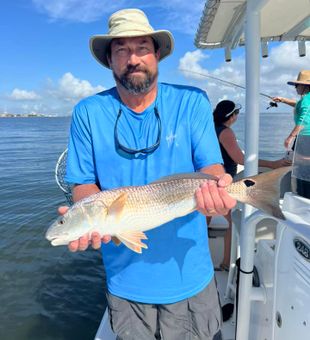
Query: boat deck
x,y
216,246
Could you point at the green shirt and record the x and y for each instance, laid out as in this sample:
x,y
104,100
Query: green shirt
x,y
302,114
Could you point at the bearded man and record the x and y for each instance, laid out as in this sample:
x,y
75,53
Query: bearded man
x,y
133,134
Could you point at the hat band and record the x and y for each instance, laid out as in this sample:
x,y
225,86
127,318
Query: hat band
x,y
130,29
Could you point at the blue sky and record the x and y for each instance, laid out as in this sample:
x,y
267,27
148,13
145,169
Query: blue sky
x,y
46,66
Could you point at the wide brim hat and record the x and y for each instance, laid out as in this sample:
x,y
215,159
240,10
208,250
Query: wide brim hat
x,y
129,23
302,79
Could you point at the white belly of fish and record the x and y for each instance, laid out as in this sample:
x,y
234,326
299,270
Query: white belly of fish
x,y
145,218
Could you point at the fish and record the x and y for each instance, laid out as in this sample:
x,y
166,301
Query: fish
x,y
125,213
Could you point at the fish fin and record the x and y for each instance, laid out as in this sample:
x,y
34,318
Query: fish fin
x,y
189,175
132,240
117,206
264,191
116,241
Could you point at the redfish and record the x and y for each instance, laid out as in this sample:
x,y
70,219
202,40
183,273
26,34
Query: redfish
x,y
126,212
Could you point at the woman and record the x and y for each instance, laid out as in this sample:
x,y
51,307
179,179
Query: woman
x,y
301,183
302,107
225,115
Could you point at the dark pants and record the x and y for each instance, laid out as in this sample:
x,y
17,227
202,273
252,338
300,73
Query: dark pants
x,y
196,318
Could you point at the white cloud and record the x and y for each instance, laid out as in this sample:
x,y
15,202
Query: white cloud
x,y
18,94
71,89
191,62
176,15
63,94
56,98
282,65
211,80
76,10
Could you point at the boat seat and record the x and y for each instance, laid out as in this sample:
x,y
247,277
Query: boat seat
x,y
266,229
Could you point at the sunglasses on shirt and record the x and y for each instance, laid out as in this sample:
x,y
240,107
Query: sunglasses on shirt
x,y
147,150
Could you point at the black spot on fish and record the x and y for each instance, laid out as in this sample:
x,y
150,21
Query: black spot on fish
x,y
249,182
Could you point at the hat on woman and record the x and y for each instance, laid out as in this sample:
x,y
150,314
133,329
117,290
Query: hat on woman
x,y
224,109
128,23
302,79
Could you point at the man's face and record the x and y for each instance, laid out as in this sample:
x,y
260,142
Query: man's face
x,y
134,63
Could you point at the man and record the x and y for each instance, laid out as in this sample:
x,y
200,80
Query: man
x,y
133,134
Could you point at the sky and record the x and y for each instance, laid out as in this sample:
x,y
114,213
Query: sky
x,y
46,66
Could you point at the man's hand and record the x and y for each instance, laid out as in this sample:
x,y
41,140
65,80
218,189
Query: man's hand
x,y
83,242
212,197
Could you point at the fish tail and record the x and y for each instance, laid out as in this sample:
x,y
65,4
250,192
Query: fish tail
x,y
263,191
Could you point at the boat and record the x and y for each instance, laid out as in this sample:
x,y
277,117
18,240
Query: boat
x,y
269,286
278,306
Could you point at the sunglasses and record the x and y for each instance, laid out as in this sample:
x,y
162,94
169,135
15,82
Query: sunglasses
x,y
146,150
232,112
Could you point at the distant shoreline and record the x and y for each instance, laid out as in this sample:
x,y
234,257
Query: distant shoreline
x,y
29,115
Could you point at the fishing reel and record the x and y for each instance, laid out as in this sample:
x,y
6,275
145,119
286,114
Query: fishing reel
x,y
272,104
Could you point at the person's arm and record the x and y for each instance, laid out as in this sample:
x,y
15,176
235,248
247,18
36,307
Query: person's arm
x,y
290,102
81,169
278,163
230,144
292,135
83,190
212,198
302,119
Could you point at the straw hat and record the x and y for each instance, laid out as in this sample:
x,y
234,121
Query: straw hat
x,y
129,23
302,79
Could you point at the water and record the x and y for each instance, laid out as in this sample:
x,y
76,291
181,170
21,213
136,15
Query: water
x,y
274,128
47,292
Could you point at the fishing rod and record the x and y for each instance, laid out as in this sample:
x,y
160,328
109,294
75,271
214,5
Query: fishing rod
x,y
271,104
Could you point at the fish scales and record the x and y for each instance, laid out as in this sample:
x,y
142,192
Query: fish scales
x,y
150,205
127,212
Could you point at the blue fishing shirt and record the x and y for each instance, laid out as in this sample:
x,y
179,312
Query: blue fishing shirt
x,y
177,263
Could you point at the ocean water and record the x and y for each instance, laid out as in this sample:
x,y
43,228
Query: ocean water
x,y
47,292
